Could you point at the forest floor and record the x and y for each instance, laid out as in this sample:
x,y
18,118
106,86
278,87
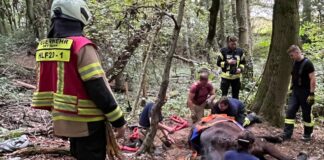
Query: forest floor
x,y
19,118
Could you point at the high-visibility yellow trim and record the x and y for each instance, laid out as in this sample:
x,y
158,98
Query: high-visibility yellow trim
x,y
227,75
42,95
114,115
89,111
60,77
90,70
39,103
53,55
290,121
64,107
246,122
221,56
91,74
222,64
58,43
65,98
78,119
87,67
242,66
70,117
85,103
311,124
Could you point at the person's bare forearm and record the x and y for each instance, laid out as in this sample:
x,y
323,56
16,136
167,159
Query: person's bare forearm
x,y
312,82
313,85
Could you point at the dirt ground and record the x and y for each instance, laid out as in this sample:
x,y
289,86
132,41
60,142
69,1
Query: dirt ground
x,y
37,125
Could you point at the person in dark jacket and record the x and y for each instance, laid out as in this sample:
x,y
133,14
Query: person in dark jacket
x,y
236,109
145,121
232,62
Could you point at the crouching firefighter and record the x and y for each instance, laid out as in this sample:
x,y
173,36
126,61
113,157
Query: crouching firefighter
x,y
235,108
303,84
71,83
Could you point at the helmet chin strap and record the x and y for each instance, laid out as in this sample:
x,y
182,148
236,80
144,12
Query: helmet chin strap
x,y
62,28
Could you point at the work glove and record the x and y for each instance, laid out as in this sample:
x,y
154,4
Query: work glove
x,y
311,99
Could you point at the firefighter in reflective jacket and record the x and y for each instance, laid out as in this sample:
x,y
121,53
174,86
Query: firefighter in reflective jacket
x,y
303,84
72,84
232,61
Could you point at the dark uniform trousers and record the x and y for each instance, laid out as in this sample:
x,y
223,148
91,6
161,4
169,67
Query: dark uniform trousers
x,y
235,84
297,99
92,147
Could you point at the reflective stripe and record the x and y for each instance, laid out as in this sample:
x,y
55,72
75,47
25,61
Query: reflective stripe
x,y
227,75
86,104
90,70
42,95
222,64
87,67
64,107
246,121
221,56
65,98
311,124
60,77
114,115
290,121
89,111
40,103
72,117
241,66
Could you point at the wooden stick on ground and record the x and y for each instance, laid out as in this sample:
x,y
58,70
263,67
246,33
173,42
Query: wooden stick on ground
x,y
26,85
41,150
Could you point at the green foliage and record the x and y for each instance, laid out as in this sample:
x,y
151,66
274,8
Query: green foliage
x,y
315,33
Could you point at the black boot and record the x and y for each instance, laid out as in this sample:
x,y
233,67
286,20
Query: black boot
x,y
307,134
288,132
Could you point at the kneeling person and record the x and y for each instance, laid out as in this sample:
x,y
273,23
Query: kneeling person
x,y
145,122
234,108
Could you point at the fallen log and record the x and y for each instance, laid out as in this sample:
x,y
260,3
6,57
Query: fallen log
x,y
40,150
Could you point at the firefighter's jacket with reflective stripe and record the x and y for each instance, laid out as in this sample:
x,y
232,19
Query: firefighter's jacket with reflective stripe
x,y
63,65
227,54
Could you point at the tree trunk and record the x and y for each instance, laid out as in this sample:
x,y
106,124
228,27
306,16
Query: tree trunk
x,y
148,142
144,70
212,27
3,29
190,30
129,50
31,16
212,22
271,95
250,31
221,37
9,13
241,11
307,10
186,47
233,6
